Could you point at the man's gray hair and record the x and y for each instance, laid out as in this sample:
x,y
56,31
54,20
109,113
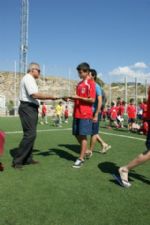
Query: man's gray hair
x,y
32,66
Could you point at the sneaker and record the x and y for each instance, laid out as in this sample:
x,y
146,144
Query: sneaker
x,y
88,154
124,177
105,149
78,163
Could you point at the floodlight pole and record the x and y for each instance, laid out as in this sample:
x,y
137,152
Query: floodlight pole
x,y
15,85
136,90
146,88
126,92
24,36
110,93
44,69
69,77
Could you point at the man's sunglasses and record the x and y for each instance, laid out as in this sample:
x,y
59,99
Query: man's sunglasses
x,y
39,71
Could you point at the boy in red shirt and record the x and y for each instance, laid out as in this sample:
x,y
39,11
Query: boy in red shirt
x,y
104,114
142,158
121,111
83,110
131,111
113,115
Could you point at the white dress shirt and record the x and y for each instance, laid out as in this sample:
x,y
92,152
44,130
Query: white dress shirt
x,y
28,87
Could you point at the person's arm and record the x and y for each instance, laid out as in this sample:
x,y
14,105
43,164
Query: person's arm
x,y
32,91
42,96
99,103
98,110
88,100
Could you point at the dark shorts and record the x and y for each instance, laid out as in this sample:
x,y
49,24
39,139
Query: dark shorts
x,y
82,127
148,139
131,120
139,117
95,126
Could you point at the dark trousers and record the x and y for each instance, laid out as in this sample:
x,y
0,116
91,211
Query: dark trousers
x,y
148,137
29,117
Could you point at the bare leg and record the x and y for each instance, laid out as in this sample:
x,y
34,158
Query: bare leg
x,y
94,138
138,161
93,142
134,163
129,126
116,124
83,140
100,140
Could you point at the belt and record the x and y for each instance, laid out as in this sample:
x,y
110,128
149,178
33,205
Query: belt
x,y
29,104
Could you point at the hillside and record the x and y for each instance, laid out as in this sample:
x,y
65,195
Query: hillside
x,y
60,87
52,85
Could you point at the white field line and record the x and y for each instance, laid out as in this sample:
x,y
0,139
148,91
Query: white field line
x,y
69,129
39,131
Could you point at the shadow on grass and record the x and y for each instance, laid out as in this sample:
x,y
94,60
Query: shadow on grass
x,y
74,148
61,153
112,168
108,167
140,177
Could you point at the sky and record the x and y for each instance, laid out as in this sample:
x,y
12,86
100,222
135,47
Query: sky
x,y
113,36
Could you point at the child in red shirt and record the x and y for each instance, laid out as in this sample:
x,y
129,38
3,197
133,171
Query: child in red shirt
x,y
66,114
83,110
131,111
104,114
121,111
44,114
113,115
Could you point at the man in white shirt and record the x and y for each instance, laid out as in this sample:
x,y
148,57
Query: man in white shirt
x,y
28,112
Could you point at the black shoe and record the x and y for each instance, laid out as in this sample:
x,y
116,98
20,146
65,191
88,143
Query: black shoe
x,y
1,167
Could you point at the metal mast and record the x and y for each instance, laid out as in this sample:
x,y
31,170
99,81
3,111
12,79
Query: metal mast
x,y
24,36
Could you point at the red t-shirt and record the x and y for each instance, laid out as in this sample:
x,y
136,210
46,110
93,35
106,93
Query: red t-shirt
x,y
113,113
144,108
104,113
66,113
85,89
44,109
131,110
118,109
145,128
122,110
2,142
148,107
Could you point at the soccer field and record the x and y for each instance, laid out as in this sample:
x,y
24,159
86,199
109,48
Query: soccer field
x,y
53,193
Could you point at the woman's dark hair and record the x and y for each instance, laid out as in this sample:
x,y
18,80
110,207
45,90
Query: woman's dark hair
x,y
93,73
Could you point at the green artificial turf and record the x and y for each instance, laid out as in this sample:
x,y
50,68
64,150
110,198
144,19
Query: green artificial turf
x,y
53,193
